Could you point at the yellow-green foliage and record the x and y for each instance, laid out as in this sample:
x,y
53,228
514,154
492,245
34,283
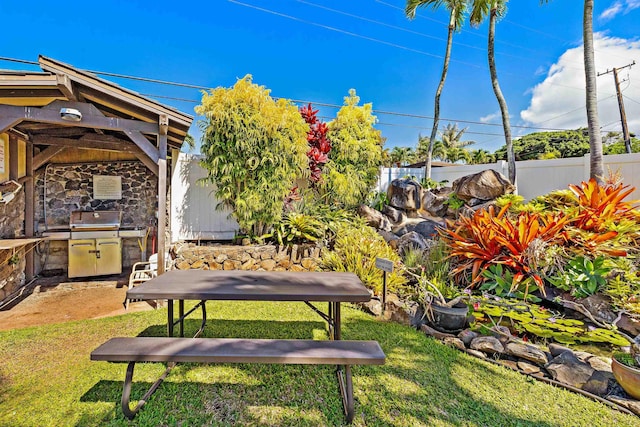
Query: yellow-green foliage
x,y
356,154
355,250
254,147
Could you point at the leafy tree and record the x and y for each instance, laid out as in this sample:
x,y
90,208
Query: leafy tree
x,y
555,144
496,9
254,148
356,155
614,144
457,10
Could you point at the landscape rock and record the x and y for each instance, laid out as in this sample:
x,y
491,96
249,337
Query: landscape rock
x,y
597,384
467,336
527,352
425,227
511,364
476,353
632,405
454,342
485,185
404,194
502,333
557,349
528,368
434,204
568,369
395,215
411,240
433,333
489,345
374,218
388,236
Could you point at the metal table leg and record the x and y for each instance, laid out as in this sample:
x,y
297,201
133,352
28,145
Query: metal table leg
x,y
170,317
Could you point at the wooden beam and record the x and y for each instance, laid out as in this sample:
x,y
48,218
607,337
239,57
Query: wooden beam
x,y
144,144
13,157
87,143
45,155
7,122
162,191
65,86
29,210
12,115
153,167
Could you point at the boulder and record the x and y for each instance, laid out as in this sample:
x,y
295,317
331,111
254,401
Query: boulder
x,y
467,336
404,194
597,384
434,204
557,349
454,342
395,215
528,368
411,240
489,345
388,236
568,369
374,218
425,227
485,185
527,352
502,333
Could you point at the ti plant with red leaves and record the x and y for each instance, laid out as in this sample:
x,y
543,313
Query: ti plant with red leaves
x,y
487,239
319,144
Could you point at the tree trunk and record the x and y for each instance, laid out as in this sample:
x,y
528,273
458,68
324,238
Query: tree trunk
x,y
596,169
506,124
436,108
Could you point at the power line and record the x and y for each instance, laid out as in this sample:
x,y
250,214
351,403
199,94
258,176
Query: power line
x,y
322,104
349,33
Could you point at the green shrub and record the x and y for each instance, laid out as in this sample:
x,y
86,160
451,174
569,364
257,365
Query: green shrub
x,y
355,249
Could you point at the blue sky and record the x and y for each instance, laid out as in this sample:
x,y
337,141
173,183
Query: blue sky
x,y
317,50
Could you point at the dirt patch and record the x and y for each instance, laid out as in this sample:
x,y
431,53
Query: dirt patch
x,y
56,300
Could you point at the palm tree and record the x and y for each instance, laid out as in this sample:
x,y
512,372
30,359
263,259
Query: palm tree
x,y
457,9
451,137
401,155
596,166
496,9
481,156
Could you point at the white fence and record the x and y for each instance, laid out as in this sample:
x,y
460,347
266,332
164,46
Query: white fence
x,y
193,205
534,177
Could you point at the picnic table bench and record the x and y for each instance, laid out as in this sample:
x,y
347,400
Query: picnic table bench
x,y
245,285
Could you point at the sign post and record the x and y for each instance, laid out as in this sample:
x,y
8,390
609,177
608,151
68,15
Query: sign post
x,y
387,267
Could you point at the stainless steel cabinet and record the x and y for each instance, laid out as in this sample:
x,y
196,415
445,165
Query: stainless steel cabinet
x,y
95,257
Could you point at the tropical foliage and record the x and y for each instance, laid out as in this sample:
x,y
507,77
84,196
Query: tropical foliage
x,y
356,155
254,148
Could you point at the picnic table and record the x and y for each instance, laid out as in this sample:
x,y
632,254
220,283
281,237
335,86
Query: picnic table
x,y
332,288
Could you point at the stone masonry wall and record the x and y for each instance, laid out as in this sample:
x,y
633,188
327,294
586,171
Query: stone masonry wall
x,y
69,187
256,258
11,227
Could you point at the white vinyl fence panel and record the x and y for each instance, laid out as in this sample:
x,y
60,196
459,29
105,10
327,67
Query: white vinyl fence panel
x,y
534,177
193,205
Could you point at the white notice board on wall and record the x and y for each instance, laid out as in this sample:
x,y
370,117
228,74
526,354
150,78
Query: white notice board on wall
x,y
106,187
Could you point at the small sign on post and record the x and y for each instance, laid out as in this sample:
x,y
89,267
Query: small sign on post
x,y
386,266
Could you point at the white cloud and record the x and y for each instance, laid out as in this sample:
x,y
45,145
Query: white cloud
x,y
491,117
618,7
559,101
611,11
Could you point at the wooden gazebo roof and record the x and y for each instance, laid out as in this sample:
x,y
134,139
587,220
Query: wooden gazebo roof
x,y
111,118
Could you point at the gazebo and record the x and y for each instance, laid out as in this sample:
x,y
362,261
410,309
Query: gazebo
x,y
66,116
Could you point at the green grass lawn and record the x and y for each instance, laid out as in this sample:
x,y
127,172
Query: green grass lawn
x,y
47,379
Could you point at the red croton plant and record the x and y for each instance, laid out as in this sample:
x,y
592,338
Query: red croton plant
x,y
319,144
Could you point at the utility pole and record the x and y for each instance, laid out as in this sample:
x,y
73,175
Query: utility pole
x,y
623,115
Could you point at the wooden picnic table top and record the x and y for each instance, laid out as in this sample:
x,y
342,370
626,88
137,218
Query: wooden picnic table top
x,y
253,286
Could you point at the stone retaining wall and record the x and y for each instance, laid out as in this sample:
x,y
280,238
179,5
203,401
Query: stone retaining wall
x,y
256,258
12,226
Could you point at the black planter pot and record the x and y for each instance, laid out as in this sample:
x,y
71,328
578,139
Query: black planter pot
x,y
448,319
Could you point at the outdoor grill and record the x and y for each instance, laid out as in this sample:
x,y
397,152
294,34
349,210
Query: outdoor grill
x,y
94,246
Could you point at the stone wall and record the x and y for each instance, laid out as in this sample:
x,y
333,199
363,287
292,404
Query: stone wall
x,y
11,227
63,188
257,258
